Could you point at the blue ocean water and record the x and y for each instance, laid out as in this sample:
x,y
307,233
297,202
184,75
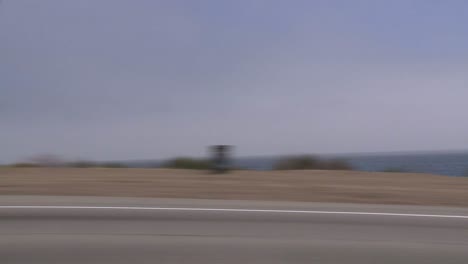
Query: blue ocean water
x,y
452,164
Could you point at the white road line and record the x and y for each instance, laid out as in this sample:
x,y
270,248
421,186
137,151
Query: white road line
x,y
228,210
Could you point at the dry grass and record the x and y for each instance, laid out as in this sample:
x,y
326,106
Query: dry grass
x,y
316,186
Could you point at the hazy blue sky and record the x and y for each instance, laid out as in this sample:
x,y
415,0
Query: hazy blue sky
x,y
139,79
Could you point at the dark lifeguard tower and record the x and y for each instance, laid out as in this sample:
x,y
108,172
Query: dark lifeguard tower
x,y
220,156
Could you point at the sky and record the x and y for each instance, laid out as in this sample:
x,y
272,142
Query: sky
x,y
149,79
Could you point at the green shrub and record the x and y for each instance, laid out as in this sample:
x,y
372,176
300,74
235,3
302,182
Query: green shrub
x,y
188,163
113,165
308,162
25,165
394,169
82,164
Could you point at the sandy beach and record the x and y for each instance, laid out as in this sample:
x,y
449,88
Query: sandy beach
x,y
310,185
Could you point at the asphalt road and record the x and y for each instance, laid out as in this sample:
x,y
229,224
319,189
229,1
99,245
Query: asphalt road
x,y
124,230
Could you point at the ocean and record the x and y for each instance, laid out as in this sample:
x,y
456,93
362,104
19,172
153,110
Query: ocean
x,y
452,164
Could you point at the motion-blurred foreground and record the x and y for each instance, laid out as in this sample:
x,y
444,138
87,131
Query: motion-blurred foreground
x,y
299,185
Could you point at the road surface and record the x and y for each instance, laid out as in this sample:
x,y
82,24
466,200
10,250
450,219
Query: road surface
x,y
137,230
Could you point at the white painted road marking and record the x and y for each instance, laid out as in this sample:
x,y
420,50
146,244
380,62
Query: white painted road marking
x,y
227,210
